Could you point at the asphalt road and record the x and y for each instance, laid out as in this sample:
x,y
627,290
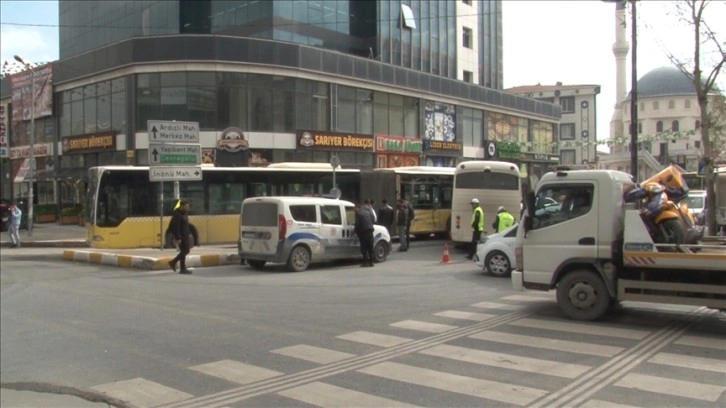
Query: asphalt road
x,y
408,332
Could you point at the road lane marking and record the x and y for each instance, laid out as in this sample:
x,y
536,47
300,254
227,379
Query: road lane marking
x,y
491,390
424,326
236,372
529,298
142,393
668,386
595,403
697,363
703,342
457,314
509,361
582,328
549,344
313,354
492,305
375,339
326,395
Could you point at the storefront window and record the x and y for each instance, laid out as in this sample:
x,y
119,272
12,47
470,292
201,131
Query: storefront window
x,y
77,124
89,115
410,117
542,137
118,111
380,113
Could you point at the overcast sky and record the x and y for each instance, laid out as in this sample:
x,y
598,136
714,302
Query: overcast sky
x,y
544,41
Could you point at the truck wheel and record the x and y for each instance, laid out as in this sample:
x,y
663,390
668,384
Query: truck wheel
x,y
582,295
299,259
256,263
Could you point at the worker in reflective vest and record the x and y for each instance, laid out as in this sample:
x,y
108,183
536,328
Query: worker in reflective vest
x,y
477,226
503,220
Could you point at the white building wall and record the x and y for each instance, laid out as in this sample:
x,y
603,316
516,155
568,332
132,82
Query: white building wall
x,y
467,58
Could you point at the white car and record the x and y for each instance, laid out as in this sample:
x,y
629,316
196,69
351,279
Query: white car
x,y
495,253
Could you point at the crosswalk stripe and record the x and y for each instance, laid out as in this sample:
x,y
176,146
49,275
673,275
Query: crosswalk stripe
x,y
512,362
594,403
314,354
703,342
549,344
424,326
235,372
698,363
492,305
326,395
582,328
382,340
457,314
141,392
668,386
492,390
529,298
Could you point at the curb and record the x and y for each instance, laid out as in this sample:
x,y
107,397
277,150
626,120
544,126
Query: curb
x,y
146,262
49,244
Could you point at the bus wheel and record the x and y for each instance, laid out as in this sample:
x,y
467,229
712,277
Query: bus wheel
x,y
299,259
582,295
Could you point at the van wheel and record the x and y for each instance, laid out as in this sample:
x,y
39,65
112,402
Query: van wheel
x,y
582,295
256,263
380,251
299,259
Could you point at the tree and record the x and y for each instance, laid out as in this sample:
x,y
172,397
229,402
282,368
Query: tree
x,y
693,13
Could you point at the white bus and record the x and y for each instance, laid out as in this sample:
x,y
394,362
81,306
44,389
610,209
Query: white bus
x,y
494,184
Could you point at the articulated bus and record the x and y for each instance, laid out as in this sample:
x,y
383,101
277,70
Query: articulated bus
x,y
494,184
123,206
428,190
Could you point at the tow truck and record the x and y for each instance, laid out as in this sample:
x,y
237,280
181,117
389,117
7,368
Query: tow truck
x,y
595,250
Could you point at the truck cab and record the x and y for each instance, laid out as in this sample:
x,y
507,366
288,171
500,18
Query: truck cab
x,y
579,237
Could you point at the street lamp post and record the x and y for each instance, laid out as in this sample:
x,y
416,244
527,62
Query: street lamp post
x,y
634,98
31,157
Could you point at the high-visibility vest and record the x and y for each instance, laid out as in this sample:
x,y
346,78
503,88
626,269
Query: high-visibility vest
x,y
506,220
481,218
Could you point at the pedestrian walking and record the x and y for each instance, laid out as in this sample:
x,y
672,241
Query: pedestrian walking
x,y
402,218
364,229
386,215
503,219
15,215
409,220
179,228
477,226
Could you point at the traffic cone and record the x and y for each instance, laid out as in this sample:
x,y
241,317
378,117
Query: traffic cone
x,y
446,258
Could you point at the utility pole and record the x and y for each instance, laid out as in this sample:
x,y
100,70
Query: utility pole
x,y
31,158
634,98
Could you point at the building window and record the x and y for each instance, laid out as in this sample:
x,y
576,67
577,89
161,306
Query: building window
x,y
407,20
567,104
567,156
468,76
467,38
567,131
674,126
698,124
698,144
688,104
640,127
466,2
656,105
659,126
671,104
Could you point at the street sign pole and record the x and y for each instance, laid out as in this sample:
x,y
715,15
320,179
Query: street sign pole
x,y
161,215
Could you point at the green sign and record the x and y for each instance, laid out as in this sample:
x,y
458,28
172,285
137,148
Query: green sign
x,y
168,154
509,150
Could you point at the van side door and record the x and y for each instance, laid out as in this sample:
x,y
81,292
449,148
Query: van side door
x,y
352,241
332,231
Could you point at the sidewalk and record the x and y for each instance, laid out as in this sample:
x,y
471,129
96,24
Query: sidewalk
x,y
50,235
30,399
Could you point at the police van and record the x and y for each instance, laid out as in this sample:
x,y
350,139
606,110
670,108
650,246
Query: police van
x,y
301,230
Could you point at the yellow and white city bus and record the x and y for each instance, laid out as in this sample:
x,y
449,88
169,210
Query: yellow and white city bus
x,y
427,189
122,209
494,184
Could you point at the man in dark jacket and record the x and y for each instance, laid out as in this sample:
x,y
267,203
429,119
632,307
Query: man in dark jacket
x,y
364,230
180,230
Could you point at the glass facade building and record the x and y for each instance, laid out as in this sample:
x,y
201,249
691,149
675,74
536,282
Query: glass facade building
x,y
271,71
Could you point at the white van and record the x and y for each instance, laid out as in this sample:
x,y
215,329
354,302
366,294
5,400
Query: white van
x,y
696,201
302,230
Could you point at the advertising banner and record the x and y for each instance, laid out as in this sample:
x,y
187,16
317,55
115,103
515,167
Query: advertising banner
x,y
90,143
21,85
319,140
3,131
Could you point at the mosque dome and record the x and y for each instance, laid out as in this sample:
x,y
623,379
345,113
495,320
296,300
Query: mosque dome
x,y
664,81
